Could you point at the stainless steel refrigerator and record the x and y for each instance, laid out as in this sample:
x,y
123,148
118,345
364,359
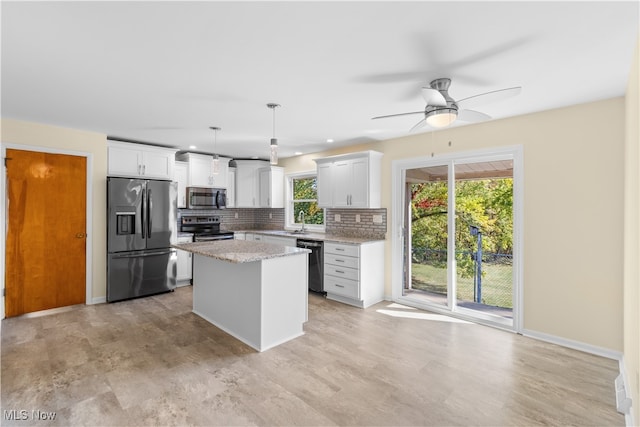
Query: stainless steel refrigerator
x,y
141,227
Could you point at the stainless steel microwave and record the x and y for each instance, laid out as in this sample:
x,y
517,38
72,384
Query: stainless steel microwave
x,y
206,198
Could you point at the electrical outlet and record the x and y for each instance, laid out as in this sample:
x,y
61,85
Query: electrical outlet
x,y
377,219
337,218
270,216
235,215
357,217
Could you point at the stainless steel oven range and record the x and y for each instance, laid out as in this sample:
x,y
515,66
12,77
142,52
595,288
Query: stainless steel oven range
x,y
204,228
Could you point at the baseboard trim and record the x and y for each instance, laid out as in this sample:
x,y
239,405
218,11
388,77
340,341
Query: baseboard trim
x,y
624,403
576,345
99,300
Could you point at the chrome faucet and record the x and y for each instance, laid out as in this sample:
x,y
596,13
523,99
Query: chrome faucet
x,y
301,215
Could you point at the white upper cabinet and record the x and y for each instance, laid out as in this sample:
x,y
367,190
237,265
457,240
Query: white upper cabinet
x,y
350,180
200,170
325,190
247,182
140,161
181,173
271,187
231,188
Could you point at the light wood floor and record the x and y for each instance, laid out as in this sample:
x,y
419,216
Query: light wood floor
x,y
152,362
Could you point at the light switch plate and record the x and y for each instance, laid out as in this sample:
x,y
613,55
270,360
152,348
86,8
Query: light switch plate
x,y
357,217
337,218
377,219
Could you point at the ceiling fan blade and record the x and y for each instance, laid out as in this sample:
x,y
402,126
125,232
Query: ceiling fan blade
x,y
433,97
472,116
397,115
488,97
419,125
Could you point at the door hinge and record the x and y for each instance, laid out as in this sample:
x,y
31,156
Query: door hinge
x,y
5,161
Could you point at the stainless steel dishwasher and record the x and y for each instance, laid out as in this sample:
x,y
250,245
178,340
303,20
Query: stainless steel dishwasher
x,y
316,263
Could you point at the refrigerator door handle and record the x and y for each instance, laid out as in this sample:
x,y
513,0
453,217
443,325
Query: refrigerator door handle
x,y
143,213
149,210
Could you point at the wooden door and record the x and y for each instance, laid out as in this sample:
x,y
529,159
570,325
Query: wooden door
x,y
45,264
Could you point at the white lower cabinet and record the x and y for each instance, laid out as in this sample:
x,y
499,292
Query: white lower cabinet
x,y
184,272
354,273
253,236
279,240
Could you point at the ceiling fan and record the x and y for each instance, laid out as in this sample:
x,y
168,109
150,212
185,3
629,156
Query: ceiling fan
x,y
442,110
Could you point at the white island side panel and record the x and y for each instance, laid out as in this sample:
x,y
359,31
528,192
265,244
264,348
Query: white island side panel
x,y
284,299
228,296
261,303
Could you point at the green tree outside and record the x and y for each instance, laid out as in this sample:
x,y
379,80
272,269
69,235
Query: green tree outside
x,y
484,203
305,196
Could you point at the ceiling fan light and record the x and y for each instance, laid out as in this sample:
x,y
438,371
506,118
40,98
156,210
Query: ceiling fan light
x,y
442,117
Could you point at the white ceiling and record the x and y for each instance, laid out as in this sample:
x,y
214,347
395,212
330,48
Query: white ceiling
x,y
164,72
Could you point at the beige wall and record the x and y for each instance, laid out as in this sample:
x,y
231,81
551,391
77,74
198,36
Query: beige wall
x,y
632,237
39,135
573,204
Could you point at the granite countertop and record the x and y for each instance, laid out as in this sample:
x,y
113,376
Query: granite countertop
x,y
239,251
336,238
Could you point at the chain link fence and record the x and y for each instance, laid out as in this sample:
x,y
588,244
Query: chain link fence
x,y
489,282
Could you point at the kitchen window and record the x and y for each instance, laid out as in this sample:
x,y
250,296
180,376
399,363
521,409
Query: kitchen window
x,y
302,196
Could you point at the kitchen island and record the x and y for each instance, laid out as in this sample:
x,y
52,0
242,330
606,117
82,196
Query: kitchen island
x,y
256,292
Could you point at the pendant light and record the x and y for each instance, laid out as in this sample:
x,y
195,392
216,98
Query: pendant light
x,y
215,168
273,157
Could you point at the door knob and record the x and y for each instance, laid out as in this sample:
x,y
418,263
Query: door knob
x,y
81,235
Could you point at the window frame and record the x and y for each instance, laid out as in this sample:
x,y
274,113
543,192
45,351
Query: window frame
x,y
290,222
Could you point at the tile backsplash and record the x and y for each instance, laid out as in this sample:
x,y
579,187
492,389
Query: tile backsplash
x,y
357,222
243,219
370,223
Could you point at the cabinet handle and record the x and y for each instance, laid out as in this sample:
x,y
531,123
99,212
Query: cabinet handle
x,y
339,286
339,260
340,249
340,271
144,169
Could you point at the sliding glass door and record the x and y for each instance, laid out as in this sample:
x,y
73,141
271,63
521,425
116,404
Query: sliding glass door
x,y
458,236
427,191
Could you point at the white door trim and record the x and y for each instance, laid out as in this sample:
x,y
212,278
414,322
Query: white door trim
x,y
89,213
398,175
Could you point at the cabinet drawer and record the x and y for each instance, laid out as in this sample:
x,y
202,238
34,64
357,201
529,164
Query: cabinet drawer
x,y
337,248
340,260
338,271
339,286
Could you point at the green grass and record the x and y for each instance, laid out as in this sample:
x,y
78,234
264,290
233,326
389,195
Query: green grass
x,y
496,283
